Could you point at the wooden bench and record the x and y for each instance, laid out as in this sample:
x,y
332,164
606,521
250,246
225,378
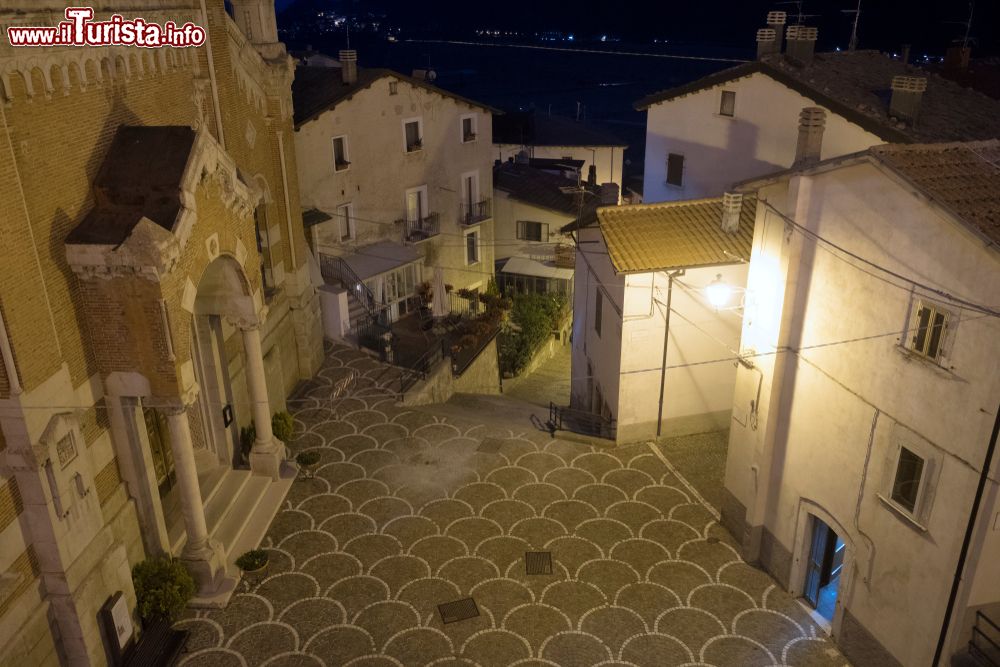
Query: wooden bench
x,y
159,646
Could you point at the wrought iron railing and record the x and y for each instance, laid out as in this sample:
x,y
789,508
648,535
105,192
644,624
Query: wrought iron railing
x,y
985,642
579,421
420,229
471,213
336,271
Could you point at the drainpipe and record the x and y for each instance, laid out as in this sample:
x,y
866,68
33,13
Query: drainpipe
x,y
666,331
211,76
969,529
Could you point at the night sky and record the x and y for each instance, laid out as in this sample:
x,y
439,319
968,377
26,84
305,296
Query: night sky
x,y
885,24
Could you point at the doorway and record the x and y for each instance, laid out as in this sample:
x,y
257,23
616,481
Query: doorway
x,y
159,447
823,569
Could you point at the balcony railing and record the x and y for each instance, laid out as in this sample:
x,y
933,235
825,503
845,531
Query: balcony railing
x,y
420,229
470,214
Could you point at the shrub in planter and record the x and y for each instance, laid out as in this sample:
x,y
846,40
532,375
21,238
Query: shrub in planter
x,y
307,460
282,425
163,587
253,560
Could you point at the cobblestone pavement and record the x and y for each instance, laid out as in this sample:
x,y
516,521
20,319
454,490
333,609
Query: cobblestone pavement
x,y
409,510
549,382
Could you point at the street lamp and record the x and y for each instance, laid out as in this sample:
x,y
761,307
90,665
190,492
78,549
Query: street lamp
x,y
718,292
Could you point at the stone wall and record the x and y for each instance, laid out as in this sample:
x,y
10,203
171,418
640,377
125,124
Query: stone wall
x,y
481,377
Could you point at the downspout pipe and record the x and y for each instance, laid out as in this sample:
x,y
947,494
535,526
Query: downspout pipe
x,y
969,529
666,339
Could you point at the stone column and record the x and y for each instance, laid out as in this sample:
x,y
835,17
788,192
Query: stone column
x,y
267,452
202,556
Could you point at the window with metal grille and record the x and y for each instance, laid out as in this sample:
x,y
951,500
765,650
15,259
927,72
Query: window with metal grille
x,y
598,311
340,158
727,103
906,483
675,169
528,230
928,331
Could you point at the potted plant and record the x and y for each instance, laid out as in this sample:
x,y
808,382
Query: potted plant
x,y
163,587
282,425
307,460
253,563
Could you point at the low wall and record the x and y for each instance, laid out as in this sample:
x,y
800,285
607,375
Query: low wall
x,y
481,377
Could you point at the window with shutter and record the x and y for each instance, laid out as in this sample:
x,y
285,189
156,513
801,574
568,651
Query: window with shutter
x,y
928,330
727,103
675,169
528,230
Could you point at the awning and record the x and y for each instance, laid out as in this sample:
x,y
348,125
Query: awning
x,y
371,260
529,267
313,216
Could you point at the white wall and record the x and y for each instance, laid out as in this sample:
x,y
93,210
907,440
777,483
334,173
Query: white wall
x,y
851,395
507,211
608,159
719,150
381,171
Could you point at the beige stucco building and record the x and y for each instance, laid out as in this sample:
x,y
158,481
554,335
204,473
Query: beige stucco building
x,y
154,297
396,180
866,396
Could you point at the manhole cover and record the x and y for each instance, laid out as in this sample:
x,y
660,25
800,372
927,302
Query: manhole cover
x,y
459,610
489,445
538,562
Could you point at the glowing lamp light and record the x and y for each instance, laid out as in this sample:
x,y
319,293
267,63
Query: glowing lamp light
x,y
718,292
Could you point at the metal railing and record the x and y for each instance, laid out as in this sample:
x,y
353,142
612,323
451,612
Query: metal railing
x,y
419,368
471,213
463,358
420,229
579,421
336,271
983,646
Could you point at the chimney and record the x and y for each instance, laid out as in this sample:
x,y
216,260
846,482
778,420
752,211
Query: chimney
x,y
956,58
810,144
592,175
732,206
348,66
801,44
609,194
766,42
906,53
776,22
906,94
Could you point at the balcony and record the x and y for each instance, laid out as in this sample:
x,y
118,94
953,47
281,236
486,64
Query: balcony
x,y
415,231
471,214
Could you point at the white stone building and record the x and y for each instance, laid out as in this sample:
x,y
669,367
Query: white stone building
x,y
641,278
395,179
740,123
866,395
546,140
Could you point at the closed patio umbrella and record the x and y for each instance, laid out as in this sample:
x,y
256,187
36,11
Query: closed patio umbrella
x,y
441,304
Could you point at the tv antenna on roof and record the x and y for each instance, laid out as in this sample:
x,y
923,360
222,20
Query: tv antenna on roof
x,y
967,38
799,16
853,44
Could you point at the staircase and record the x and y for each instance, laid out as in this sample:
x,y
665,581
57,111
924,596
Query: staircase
x,y
355,309
239,507
985,643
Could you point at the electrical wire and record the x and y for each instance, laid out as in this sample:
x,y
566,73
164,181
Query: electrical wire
x,y
572,50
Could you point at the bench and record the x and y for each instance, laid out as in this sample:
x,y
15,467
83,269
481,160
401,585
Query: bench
x,y
159,646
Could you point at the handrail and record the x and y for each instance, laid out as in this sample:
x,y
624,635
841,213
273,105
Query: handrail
x,y
591,422
980,614
340,271
471,213
421,228
977,631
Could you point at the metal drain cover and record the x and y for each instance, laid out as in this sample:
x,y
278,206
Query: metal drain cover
x,y
459,610
489,445
538,562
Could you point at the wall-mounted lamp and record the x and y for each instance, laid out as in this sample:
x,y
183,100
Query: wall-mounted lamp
x,y
718,292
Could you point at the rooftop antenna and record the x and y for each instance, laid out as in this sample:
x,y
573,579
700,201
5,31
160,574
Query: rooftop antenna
x,y
853,44
968,25
799,18
347,23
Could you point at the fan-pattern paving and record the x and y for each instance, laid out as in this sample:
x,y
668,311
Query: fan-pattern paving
x,y
404,514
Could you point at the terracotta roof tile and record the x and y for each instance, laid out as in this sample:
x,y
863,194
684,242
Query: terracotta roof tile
x,y
671,235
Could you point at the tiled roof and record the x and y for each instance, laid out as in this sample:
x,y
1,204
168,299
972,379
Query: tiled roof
x,y
545,190
139,178
316,89
530,128
673,235
962,177
855,85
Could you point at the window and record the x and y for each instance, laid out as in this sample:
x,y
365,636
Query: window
x,y
345,220
472,248
598,311
528,230
906,483
727,104
675,169
263,246
340,159
393,87
468,129
928,329
413,135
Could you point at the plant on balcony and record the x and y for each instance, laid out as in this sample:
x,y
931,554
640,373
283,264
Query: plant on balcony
x,y
163,587
253,561
282,425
